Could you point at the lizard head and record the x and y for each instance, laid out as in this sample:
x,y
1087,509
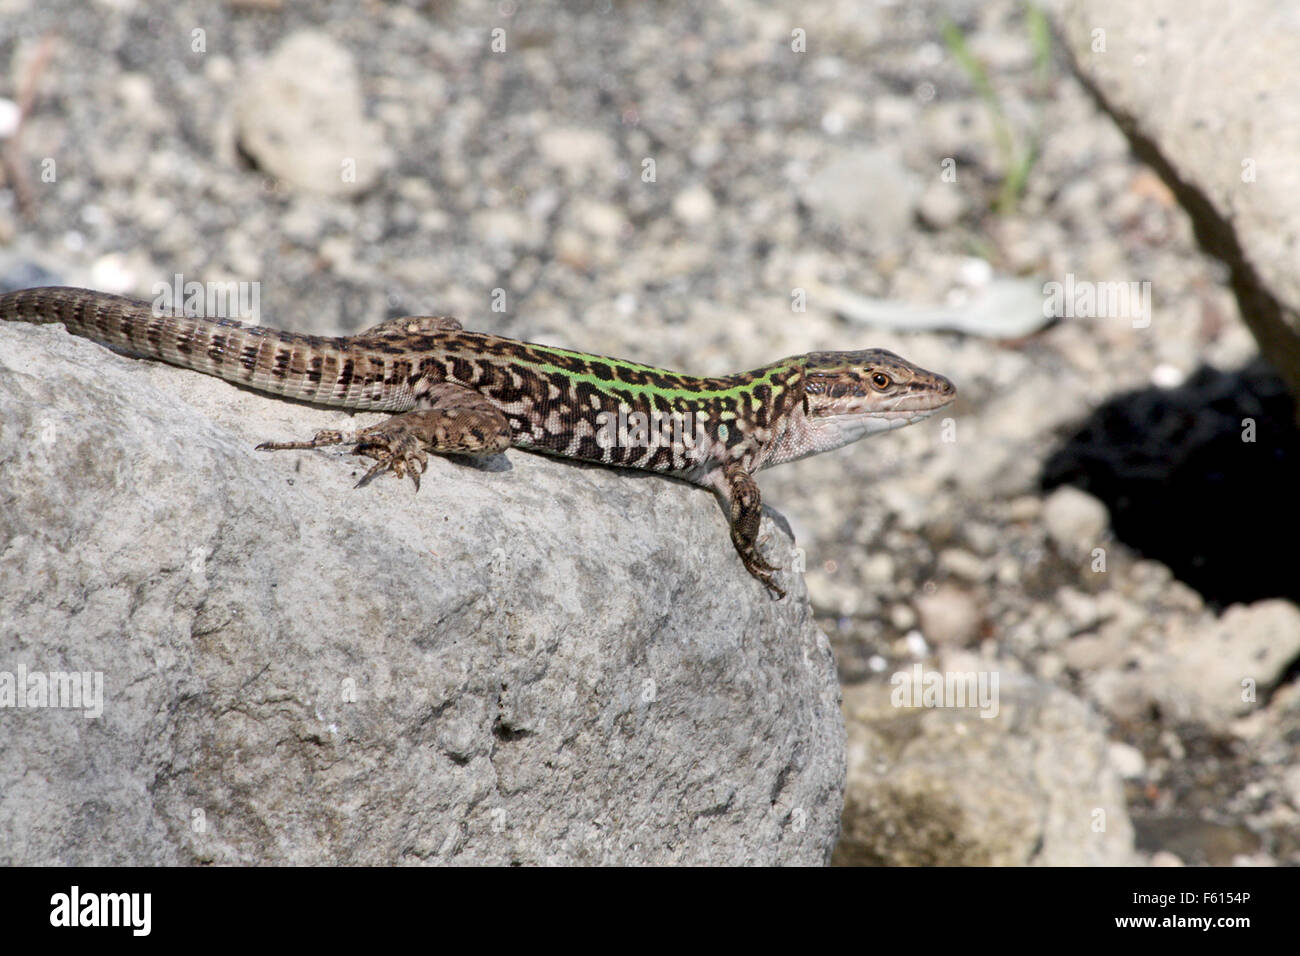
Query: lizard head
x,y
854,394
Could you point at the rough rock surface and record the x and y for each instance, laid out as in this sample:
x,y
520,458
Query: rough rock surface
x,y
1032,784
1211,674
1207,93
530,662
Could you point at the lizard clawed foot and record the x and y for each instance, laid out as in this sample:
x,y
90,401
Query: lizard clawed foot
x,y
393,444
459,421
395,450
757,565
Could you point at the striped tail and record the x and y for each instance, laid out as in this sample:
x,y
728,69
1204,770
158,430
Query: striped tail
x,y
310,368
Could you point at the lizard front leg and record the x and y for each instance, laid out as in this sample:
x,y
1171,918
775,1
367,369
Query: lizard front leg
x,y
456,421
744,505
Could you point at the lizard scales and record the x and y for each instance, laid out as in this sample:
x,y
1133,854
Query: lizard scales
x,y
454,391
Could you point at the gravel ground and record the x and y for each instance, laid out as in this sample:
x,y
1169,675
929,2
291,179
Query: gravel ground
x,y
513,188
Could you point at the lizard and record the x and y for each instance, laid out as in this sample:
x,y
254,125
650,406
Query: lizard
x,y
457,392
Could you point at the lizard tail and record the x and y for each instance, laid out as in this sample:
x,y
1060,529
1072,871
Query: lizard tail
x,y
310,368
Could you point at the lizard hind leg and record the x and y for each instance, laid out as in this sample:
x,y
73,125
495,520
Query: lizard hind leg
x,y
457,421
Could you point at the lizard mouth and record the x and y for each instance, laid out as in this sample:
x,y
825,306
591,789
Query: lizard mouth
x,y
917,404
908,407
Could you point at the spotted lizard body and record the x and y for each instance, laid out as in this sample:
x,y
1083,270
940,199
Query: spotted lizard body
x,y
458,392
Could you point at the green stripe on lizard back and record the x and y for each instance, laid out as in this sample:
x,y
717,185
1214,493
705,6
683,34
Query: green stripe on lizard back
x,y
571,403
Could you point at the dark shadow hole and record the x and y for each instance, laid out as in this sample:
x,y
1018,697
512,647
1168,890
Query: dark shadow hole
x,y
1185,489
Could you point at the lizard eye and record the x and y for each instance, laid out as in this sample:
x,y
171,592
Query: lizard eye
x,y
881,381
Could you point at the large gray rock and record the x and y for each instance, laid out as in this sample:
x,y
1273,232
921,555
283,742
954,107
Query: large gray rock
x,y
528,662
1209,94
